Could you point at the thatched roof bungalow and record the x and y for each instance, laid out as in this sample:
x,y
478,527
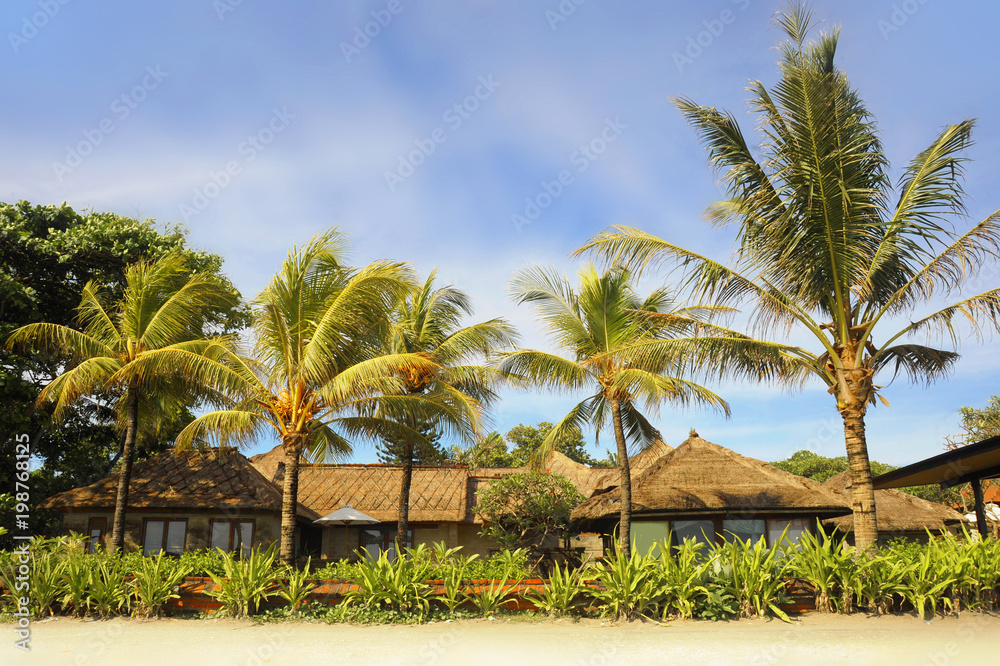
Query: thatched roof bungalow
x,y
709,492
898,514
182,501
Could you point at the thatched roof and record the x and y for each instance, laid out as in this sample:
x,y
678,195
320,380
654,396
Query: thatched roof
x,y
436,493
214,480
268,463
699,476
637,464
896,511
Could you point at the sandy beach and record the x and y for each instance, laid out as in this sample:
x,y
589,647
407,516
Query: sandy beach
x,y
811,639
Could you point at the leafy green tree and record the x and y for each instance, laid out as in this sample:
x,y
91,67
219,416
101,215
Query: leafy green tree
x,y
47,255
428,322
626,351
428,452
489,450
827,246
980,424
160,316
821,468
527,440
318,373
522,510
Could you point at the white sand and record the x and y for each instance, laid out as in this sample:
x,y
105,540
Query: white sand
x,y
814,640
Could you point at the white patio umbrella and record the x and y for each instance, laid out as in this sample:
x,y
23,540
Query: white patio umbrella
x,y
346,516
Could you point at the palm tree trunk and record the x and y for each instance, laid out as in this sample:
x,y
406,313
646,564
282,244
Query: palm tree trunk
x,y
403,524
862,492
625,483
289,502
125,473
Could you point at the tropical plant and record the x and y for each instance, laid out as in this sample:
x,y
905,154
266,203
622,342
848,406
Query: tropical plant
x,y
154,582
44,585
399,583
627,350
108,589
754,573
822,248
683,575
295,588
453,579
822,561
428,322
318,374
629,585
522,510
247,582
562,591
128,350
76,583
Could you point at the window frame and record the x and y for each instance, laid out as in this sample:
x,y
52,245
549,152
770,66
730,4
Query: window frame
x,y
166,531
232,532
94,543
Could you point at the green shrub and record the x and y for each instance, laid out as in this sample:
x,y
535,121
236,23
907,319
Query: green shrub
x,y
826,563
247,582
629,587
753,574
683,575
455,575
400,584
108,587
46,582
561,593
155,581
76,583
294,589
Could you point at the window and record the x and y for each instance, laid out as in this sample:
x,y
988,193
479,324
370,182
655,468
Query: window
x,y
230,535
647,534
95,530
700,530
744,529
164,534
377,539
796,528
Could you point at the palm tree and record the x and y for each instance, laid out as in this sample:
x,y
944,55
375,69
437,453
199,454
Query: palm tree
x,y
630,353
317,374
159,318
822,249
428,323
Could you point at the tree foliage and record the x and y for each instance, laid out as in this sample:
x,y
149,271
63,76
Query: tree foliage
x,y
828,245
47,255
522,510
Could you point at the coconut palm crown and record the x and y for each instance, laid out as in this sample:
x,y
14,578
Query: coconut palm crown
x,y
158,324
632,355
827,245
428,322
317,376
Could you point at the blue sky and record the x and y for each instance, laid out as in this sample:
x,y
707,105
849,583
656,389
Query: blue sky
x,y
260,124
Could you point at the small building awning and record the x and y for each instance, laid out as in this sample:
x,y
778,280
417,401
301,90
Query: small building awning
x,y
967,464
951,468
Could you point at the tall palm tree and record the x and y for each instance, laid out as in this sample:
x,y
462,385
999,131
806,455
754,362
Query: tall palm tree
x,y
160,315
630,353
821,246
428,322
318,374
